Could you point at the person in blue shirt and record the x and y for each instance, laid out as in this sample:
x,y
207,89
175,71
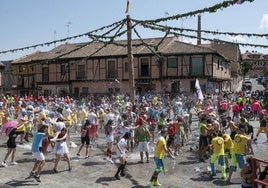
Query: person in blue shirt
x,y
37,151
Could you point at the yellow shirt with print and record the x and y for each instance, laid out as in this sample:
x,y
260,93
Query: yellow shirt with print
x,y
240,142
218,145
159,148
228,144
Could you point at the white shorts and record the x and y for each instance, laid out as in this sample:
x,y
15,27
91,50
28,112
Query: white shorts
x,y
39,156
143,146
110,138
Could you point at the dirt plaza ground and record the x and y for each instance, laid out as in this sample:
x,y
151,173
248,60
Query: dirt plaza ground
x,y
186,171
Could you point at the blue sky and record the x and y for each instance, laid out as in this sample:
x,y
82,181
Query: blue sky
x,y
28,22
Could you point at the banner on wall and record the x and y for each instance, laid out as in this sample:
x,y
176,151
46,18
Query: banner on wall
x,y
198,90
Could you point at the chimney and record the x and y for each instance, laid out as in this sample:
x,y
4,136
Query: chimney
x,y
199,30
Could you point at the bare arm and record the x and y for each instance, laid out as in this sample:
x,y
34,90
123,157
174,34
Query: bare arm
x,y
168,151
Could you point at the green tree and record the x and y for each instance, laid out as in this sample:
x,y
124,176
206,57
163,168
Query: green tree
x,y
245,66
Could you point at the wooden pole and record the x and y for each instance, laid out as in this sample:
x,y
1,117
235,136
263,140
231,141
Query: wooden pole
x,y
130,61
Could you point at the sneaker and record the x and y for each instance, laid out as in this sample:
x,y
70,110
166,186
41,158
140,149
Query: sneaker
x,y
86,157
4,164
122,174
78,154
70,169
32,173
110,160
37,178
157,183
13,163
151,184
141,162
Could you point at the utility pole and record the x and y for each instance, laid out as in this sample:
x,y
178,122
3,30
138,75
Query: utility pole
x,y
130,60
199,30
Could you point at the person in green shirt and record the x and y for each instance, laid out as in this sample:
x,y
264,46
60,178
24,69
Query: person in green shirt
x,y
142,136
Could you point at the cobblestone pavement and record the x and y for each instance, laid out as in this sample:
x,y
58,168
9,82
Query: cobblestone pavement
x,y
95,171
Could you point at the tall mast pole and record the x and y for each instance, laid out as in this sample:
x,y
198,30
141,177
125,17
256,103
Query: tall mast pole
x,y
130,60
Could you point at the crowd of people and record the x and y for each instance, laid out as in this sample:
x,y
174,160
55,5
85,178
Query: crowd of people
x,y
165,122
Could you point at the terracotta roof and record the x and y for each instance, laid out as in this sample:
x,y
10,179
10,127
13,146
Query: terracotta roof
x,y
170,45
28,58
254,55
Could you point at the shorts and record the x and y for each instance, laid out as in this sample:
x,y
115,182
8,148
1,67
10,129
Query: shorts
x,y
143,147
237,158
39,156
110,138
159,164
220,159
203,140
11,143
85,139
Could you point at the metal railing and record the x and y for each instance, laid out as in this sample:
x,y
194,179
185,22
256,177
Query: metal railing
x,y
256,181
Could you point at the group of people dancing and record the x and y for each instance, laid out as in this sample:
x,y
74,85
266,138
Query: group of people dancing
x,y
228,140
162,122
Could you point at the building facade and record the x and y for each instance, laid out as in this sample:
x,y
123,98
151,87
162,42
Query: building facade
x,y
165,65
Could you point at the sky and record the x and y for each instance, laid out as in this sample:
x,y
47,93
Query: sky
x,y
26,23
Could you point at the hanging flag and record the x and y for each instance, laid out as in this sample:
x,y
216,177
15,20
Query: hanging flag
x,y
127,7
198,90
240,1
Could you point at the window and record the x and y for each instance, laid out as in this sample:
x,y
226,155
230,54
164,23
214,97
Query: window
x,y
76,91
64,69
172,62
81,72
126,66
111,69
21,68
144,67
20,81
47,92
45,74
197,66
84,90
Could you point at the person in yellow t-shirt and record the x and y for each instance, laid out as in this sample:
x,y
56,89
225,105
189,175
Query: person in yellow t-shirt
x,y
21,126
228,149
239,149
159,153
217,144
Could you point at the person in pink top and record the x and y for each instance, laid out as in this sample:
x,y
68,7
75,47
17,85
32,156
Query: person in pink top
x,y
255,107
223,107
235,109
